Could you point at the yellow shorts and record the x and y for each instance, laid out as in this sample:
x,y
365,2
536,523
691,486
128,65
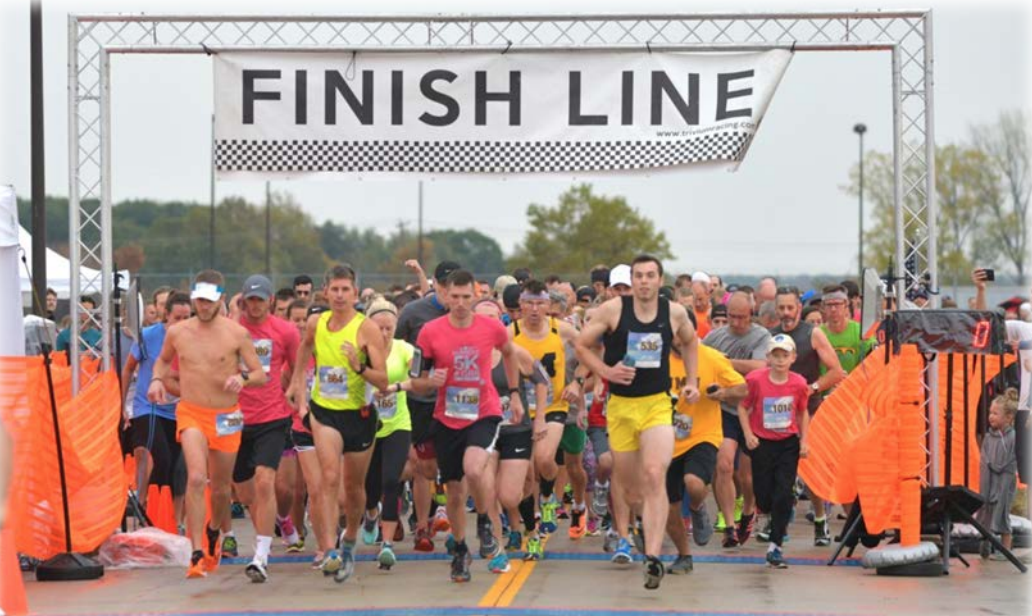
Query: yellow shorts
x,y
222,427
627,418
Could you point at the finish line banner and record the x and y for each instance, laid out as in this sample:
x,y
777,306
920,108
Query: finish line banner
x,y
282,115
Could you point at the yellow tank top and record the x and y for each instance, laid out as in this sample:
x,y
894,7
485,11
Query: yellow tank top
x,y
550,352
337,387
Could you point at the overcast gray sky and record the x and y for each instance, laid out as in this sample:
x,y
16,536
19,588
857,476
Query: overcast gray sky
x,y
782,212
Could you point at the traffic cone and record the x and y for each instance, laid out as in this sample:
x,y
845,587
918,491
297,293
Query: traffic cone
x,y
166,512
153,505
12,588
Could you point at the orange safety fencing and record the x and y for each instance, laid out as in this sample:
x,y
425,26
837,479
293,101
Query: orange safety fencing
x,y
868,439
92,457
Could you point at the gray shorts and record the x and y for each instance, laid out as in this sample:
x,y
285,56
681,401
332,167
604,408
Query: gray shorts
x,y
599,440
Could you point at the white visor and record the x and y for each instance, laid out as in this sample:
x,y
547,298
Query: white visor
x,y
206,290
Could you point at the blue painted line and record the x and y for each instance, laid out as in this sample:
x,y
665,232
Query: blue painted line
x,y
474,611
582,556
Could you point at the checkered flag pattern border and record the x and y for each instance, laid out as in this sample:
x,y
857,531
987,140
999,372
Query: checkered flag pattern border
x,y
315,156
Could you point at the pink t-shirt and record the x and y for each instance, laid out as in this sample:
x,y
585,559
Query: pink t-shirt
x,y
468,393
774,409
276,342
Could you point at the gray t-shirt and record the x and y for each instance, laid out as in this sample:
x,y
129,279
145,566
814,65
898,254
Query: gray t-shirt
x,y
751,345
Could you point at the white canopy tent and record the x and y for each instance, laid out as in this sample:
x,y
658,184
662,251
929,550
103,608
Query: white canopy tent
x,y
12,335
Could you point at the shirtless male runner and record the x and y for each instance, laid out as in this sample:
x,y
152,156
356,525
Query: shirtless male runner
x,y
209,349
637,333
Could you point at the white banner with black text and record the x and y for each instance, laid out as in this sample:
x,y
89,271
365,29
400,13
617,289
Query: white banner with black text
x,y
282,115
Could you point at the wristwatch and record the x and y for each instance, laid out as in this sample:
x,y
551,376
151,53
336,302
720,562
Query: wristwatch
x,y
514,390
815,387
244,375
579,380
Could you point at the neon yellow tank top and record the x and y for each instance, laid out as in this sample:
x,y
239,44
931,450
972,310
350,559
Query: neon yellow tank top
x,y
550,352
337,387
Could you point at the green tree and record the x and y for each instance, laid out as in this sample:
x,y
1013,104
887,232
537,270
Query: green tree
x,y
585,229
1007,145
468,247
963,178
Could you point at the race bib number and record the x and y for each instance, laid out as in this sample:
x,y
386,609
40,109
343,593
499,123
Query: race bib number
x,y
263,348
333,382
386,406
646,349
462,403
229,423
682,426
777,413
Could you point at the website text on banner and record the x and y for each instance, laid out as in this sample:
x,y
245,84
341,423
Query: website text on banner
x,y
281,115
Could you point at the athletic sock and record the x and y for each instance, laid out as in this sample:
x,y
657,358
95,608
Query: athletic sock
x,y
770,548
213,539
264,545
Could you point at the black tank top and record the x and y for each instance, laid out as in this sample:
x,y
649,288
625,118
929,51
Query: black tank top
x,y
646,346
807,363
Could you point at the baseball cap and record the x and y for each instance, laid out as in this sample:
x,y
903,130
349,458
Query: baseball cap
x,y
206,290
257,286
501,282
511,296
443,269
719,311
585,293
783,342
702,277
621,274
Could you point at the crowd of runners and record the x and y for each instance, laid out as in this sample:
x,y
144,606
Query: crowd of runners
x,y
336,415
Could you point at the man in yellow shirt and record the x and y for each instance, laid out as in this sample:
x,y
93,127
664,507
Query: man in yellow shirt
x,y
698,433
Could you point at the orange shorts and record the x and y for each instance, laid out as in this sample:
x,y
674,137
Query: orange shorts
x,y
222,427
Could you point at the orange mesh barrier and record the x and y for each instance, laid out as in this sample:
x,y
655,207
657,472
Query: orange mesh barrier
x,y
842,418
92,457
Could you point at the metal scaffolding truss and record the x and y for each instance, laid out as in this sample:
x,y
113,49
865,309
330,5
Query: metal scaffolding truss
x,y
907,35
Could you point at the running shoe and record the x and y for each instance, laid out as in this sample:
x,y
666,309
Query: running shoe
x,y
578,524
548,511
600,499
499,563
230,547
440,523
214,554
593,527
638,536
386,558
196,568
745,527
237,511
821,533
347,568
622,553
720,525
293,548
775,559
488,542
610,542
317,560
287,530
535,551
702,528
332,563
730,539
370,529
399,534
739,504
682,566
257,572
654,572
515,541
568,494
471,506
562,513
460,566
423,542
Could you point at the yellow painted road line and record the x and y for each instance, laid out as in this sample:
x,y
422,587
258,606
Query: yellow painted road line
x,y
508,585
517,583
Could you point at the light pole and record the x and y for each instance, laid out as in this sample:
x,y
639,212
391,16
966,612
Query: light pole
x,y
860,129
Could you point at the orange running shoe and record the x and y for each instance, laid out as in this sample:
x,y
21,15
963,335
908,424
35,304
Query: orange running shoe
x,y
441,523
213,554
578,523
196,568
